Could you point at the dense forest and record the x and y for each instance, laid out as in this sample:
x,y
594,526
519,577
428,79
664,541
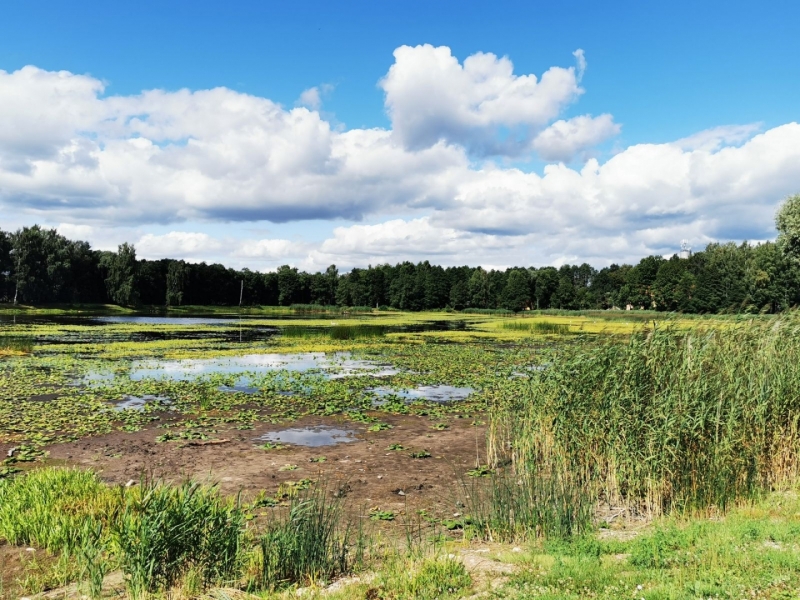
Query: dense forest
x,y
40,266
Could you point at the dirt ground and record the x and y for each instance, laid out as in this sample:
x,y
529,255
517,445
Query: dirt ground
x,y
365,469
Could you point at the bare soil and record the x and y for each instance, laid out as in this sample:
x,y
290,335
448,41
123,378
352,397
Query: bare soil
x,y
365,469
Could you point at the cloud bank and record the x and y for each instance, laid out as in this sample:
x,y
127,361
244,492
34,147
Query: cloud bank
x,y
437,184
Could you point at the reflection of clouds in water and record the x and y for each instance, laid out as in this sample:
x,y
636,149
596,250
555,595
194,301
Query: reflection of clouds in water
x,y
139,402
340,363
434,393
311,436
167,320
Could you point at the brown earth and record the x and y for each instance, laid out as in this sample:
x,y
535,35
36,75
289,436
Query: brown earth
x,y
365,468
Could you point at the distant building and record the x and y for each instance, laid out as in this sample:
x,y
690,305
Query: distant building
x,y
686,249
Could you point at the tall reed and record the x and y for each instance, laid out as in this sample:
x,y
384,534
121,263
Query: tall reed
x,y
162,532
666,419
542,327
309,542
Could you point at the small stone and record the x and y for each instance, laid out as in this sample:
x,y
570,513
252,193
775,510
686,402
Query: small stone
x,y
131,483
516,549
380,476
401,493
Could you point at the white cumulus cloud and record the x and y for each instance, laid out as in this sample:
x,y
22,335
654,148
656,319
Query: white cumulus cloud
x,y
481,104
563,140
107,168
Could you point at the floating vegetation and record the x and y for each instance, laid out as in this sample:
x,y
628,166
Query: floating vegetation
x,y
540,327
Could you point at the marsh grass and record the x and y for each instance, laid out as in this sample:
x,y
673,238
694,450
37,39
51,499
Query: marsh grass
x,y
666,419
155,533
52,508
335,332
752,552
311,541
433,577
15,345
163,532
330,309
506,507
540,327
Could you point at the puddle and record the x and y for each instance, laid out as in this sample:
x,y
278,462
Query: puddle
x,y
433,393
241,386
139,402
311,436
339,365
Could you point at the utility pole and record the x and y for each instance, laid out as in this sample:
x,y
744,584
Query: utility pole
x,y
241,294
13,252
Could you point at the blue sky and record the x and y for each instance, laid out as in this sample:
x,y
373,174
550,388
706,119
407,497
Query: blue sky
x,y
661,73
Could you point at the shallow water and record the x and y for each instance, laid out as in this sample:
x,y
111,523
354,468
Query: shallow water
x,y
241,385
321,435
434,393
139,402
142,320
336,365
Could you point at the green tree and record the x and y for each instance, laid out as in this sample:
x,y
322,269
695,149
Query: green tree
x,y
478,289
42,260
459,295
177,279
787,222
288,285
122,276
516,295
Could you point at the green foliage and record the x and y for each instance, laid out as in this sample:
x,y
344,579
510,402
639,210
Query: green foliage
x,y
787,222
502,506
432,578
309,542
177,280
15,345
162,532
48,508
122,276
666,419
540,327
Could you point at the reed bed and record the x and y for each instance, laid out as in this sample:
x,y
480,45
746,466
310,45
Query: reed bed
x,y
15,345
310,541
540,327
666,419
327,308
335,332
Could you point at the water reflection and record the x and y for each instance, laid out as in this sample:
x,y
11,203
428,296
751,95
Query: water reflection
x,y
334,366
321,435
434,393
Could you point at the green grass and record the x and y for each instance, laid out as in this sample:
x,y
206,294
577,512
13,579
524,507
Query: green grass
x,y
436,577
310,541
541,327
334,332
503,506
163,532
754,552
15,345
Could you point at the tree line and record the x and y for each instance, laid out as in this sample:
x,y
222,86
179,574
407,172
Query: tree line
x,y
40,266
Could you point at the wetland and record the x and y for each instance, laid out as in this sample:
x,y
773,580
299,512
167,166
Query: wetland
x,y
431,428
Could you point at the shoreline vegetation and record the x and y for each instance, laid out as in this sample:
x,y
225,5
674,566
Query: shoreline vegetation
x,y
627,454
39,266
